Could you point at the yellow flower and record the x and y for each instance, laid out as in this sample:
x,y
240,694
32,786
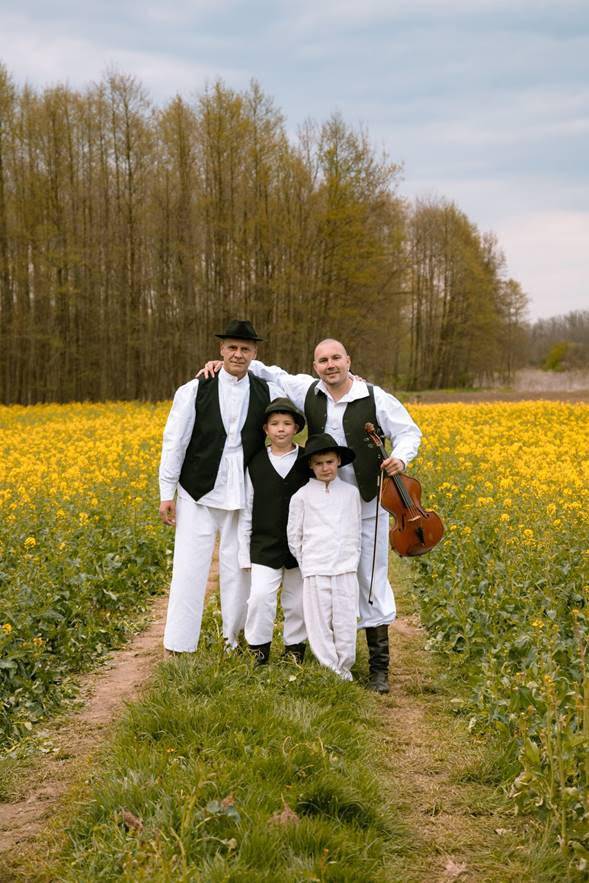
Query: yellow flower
x,y
30,542
528,533
83,517
504,517
550,509
7,628
537,624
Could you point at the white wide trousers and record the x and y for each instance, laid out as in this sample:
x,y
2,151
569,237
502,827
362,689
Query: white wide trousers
x,y
331,608
383,609
196,530
261,606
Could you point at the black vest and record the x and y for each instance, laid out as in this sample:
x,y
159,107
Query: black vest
x,y
357,413
205,448
272,494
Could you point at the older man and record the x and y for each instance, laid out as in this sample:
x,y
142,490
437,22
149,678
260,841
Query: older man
x,y
339,404
213,430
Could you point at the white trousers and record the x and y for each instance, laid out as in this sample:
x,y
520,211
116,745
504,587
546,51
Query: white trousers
x,y
382,611
331,609
261,606
196,531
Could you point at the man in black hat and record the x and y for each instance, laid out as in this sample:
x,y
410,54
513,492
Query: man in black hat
x,y
213,430
341,404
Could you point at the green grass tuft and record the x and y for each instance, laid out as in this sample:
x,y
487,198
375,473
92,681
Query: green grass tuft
x,y
210,759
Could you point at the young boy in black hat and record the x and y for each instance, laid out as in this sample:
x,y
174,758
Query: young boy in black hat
x,y
270,482
324,535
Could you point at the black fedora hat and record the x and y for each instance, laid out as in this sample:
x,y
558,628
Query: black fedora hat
x,y
240,329
320,444
285,406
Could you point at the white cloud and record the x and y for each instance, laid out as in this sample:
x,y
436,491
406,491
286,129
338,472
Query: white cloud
x,y
548,252
43,60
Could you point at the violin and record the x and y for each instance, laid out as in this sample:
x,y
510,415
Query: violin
x,y
415,530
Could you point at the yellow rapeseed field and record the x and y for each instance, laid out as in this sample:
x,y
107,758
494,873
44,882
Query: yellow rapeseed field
x,y
504,595
80,544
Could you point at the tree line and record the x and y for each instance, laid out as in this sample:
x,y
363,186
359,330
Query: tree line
x,y
130,232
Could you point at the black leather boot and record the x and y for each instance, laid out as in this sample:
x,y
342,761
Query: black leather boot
x,y
296,650
261,652
377,639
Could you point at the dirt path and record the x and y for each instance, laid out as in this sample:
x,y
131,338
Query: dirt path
x,y
437,769
74,740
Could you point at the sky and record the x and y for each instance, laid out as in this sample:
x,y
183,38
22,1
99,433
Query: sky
x,y
483,102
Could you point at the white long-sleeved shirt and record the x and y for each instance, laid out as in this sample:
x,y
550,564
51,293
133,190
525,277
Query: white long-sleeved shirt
x,y
325,527
394,419
282,463
229,489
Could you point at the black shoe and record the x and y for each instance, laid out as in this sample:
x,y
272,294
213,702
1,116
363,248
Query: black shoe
x,y
377,639
261,652
297,651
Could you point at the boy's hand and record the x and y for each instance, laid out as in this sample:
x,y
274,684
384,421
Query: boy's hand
x,y
210,369
168,512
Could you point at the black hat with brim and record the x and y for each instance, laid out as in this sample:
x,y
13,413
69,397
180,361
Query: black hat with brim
x,y
285,406
320,444
239,329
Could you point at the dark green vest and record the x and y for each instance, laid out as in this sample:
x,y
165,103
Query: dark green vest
x,y
205,448
357,413
272,494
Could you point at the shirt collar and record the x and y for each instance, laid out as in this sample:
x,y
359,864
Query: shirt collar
x,y
358,390
287,454
228,379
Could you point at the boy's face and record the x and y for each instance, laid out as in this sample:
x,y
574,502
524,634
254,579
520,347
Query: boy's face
x,y
281,429
324,466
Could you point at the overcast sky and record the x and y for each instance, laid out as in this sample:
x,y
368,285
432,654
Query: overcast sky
x,y
484,102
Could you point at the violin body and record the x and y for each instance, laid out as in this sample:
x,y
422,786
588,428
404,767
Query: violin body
x,y
415,530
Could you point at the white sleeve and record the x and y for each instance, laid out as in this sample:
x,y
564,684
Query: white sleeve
x,y
397,425
244,525
294,528
177,434
294,386
358,519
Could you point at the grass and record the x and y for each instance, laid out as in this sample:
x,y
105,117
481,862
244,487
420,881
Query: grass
x,y
213,761
217,757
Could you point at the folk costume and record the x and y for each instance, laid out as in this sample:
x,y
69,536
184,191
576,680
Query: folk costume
x,y
344,419
324,535
270,481
213,430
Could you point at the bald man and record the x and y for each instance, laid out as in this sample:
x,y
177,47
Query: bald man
x,y
339,404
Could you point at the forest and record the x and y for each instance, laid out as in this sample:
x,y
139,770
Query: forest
x,y
130,232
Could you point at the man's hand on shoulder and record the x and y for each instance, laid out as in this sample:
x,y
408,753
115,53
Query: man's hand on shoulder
x,y
168,512
210,369
392,465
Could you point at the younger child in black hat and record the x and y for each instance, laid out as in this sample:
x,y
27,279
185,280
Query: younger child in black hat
x,y
271,480
324,534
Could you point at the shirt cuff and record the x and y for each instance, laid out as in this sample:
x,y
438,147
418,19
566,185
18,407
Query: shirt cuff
x,y
167,490
244,562
402,455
